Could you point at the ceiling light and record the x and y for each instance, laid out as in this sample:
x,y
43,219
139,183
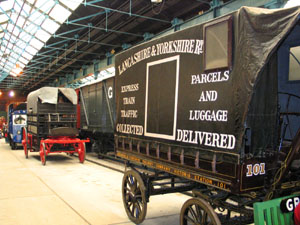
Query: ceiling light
x,y
11,94
156,1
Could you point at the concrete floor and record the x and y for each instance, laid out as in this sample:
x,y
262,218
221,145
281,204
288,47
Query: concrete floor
x,y
67,192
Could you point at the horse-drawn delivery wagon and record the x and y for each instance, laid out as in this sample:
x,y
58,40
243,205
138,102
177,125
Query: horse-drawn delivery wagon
x,y
215,109
51,123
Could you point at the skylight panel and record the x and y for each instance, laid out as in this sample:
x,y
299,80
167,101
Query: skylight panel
x,y
42,35
3,18
16,32
13,39
35,16
14,55
21,64
27,56
17,49
39,20
12,59
6,70
17,6
72,4
9,46
20,22
7,5
25,37
10,27
26,10
45,5
4,41
59,13
13,17
23,60
31,28
9,63
21,43
7,36
31,50
50,26
36,43
1,34
7,51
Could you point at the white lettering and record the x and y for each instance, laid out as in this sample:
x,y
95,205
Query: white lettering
x,y
209,115
208,96
129,100
129,113
130,88
210,77
289,205
130,129
226,141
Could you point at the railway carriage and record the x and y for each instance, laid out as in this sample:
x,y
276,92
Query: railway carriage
x,y
52,120
97,115
214,108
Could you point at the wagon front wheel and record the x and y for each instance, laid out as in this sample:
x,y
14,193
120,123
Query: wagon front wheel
x,y
25,142
196,211
43,153
81,153
134,196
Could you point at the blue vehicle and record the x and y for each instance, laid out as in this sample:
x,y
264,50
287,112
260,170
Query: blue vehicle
x,y
17,119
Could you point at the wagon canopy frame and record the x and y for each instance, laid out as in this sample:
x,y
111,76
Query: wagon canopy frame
x,y
49,95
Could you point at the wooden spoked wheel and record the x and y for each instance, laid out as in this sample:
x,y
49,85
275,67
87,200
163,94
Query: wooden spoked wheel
x,y
196,211
43,153
25,142
81,152
134,198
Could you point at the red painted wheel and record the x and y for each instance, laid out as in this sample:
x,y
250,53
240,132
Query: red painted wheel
x,y
43,153
25,142
81,152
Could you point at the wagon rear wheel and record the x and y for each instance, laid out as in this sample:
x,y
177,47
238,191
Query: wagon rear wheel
x,y
196,211
43,153
25,142
134,197
81,152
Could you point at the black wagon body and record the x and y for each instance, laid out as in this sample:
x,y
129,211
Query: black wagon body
x,y
215,107
97,114
52,122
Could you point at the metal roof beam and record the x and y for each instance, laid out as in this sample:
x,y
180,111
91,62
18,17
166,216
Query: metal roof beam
x,y
53,56
70,31
106,29
74,50
126,13
86,41
85,17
